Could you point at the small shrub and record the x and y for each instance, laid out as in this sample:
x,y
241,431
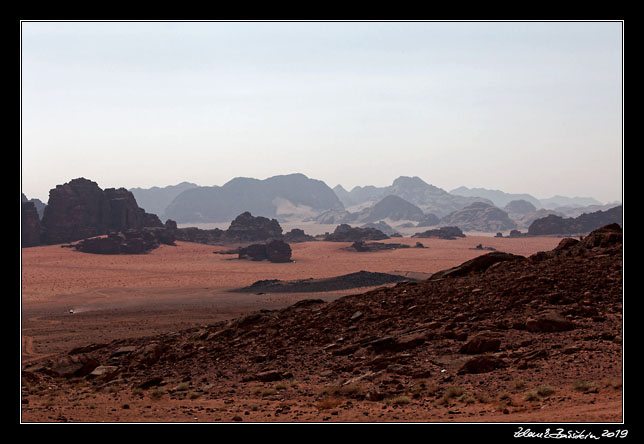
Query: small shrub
x,y
182,387
545,390
466,398
400,400
584,386
157,393
484,398
532,395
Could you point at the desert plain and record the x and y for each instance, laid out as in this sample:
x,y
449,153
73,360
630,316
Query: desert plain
x,y
187,291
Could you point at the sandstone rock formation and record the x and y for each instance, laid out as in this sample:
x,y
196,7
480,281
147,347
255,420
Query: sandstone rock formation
x,y
248,228
80,209
552,225
127,242
30,225
346,233
297,235
274,251
442,233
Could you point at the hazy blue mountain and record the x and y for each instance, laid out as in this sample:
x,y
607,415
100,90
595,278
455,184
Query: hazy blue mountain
x,y
563,201
156,199
281,197
498,197
394,208
429,198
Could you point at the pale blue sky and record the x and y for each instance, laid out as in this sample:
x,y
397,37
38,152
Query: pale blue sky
x,y
520,106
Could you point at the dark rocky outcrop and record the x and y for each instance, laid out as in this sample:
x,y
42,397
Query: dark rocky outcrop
x,y
442,233
127,242
478,264
248,228
278,251
40,205
80,209
346,233
274,251
30,225
352,280
243,229
297,235
197,235
556,225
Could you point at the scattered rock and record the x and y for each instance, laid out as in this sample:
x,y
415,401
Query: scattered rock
x,y
549,322
482,364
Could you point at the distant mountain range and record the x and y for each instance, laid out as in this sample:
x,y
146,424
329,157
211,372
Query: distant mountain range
x,y
281,197
295,197
155,200
429,198
501,198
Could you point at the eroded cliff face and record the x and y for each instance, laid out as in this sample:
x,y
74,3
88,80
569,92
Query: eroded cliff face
x,y
80,209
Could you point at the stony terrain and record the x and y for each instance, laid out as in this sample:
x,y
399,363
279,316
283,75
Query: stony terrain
x,y
500,338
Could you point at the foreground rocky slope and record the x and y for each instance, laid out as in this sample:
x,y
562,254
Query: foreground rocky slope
x,y
503,333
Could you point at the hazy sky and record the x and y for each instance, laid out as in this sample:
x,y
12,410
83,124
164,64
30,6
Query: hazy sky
x,y
523,107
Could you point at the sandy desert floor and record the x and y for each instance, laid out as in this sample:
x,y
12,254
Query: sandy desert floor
x,y
178,287
174,288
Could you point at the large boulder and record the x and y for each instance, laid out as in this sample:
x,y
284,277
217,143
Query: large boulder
x,y
549,322
274,251
278,251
